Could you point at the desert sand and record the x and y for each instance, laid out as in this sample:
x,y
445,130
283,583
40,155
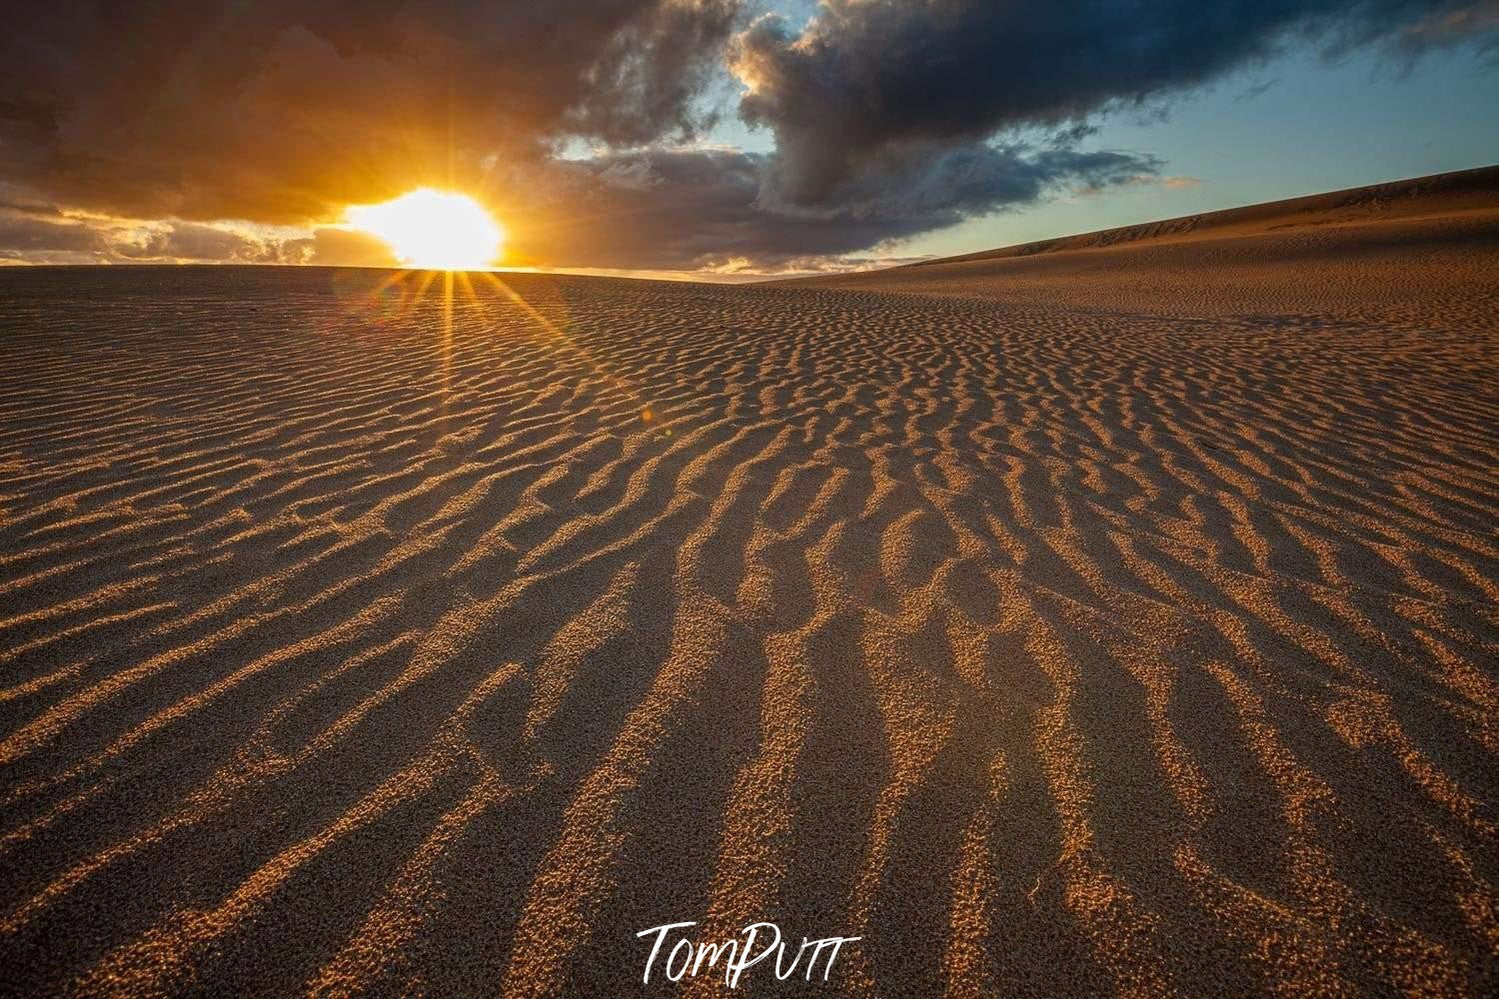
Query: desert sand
x,y
1110,618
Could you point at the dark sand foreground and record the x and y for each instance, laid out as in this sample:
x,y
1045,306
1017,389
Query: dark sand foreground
x,y
1120,619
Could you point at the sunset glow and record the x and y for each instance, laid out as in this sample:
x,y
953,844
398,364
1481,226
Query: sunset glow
x,y
845,497
439,230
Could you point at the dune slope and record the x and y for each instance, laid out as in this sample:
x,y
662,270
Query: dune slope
x,y
1423,245
1096,637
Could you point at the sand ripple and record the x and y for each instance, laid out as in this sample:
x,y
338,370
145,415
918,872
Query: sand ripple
x,y
371,643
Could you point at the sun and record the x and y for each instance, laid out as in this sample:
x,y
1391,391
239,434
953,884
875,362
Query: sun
x,y
431,229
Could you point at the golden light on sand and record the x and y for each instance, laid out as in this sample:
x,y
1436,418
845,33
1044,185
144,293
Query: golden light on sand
x,y
1117,617
439,230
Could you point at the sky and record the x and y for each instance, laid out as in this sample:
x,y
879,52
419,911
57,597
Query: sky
x,y
715,138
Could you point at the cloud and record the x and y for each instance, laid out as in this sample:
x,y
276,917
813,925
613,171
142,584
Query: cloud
x,y
653,209
1257,90
27,237
193,241
283,112
705,207
182,129
868,80
1451,24
46,236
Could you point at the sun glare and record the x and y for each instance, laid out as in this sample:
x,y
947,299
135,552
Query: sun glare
x,y
437,230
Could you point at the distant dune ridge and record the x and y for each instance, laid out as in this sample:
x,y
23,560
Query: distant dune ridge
x,y
1347,251
1443,194
1119,618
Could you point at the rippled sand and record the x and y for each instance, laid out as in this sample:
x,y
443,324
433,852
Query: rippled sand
x,y
1124,621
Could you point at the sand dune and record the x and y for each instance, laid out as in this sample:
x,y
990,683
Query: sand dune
x,y
1412,253
1125,621
1438,196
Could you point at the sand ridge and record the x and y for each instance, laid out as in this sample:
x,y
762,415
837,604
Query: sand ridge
x,y
1053,636
1443,195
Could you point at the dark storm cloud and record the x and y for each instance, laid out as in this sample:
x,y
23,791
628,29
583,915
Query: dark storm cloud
x,y
22,235
191,241
284,111
60,239
703,207
890,119
868,79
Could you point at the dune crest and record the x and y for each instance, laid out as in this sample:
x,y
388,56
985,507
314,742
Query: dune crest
x,y
1464,192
